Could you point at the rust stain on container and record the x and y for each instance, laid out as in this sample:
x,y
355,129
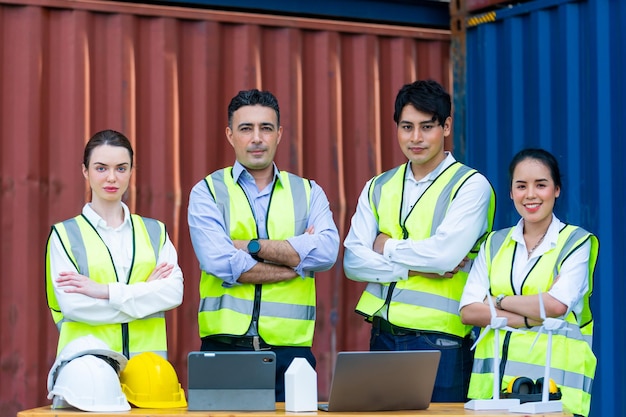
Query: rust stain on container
x,y
164,76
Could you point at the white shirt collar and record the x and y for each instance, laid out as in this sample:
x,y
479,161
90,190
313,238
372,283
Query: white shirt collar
x,y
552,235
448,160
98,222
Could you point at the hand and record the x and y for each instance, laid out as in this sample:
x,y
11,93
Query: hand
x,y
379,242
161,271
73,282
461,264
310,230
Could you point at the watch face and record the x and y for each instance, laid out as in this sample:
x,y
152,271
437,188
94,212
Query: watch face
x,y
254,246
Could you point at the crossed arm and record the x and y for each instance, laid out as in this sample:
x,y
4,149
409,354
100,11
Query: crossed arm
x,y
379,247
71,282
563,296
281,259
84,300
219,255
372,256
520,310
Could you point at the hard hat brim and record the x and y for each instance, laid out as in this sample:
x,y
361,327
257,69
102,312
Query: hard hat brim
x,y
60,361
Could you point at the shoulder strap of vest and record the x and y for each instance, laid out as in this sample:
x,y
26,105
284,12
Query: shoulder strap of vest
x,y
300,187
461,174
493,243
300,190
75,241
155,229
454,176
377,183
68,226
496,239
576,237
216,180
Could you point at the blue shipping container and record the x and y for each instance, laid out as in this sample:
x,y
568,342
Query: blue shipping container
x,y
550,74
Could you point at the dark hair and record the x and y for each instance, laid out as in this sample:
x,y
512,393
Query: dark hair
x,y
252,98
107,137
427,96
540,155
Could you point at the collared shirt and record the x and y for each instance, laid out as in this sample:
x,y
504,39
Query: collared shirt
x,y
464,223
573,282
214,247
126,302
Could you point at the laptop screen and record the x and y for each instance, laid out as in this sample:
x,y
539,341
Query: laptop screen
x,y
383,381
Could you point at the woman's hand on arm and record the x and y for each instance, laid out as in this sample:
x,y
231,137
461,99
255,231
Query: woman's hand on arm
x,y
161,271
72,282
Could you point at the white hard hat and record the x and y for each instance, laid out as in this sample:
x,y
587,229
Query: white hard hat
x,y
85,345
90,384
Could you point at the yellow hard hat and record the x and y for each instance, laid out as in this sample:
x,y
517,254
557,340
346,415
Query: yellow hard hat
x,y
150,381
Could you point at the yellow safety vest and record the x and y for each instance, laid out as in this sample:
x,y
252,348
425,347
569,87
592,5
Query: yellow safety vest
x,y
285,310
419,303
573,363
92,258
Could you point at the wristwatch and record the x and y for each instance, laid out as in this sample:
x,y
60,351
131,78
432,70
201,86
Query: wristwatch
x,y
499,299
254,247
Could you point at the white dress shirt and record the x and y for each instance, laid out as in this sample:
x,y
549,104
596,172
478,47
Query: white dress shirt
x,y
573,280
464,223
126,302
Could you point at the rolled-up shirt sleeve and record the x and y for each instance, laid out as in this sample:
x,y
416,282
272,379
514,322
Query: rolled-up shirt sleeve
x,y
211,242
318,251
477,285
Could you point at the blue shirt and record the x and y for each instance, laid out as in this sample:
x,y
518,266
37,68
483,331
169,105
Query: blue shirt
x,y
214,248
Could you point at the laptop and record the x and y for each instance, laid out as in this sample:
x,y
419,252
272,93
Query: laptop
x,y
383,381
231,381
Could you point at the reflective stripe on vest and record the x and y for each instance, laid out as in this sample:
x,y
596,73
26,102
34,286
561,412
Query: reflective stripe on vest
x,y
92,258
418,303
573,363
286,310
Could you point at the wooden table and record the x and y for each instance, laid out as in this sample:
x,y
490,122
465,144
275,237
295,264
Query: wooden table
x,y
435,409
